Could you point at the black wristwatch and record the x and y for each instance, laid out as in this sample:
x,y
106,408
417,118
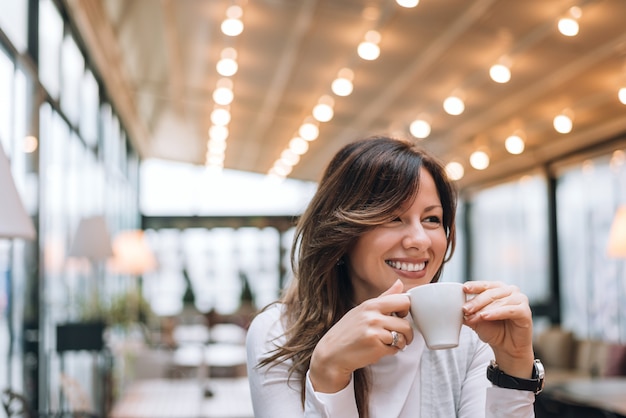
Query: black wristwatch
x,y
503,380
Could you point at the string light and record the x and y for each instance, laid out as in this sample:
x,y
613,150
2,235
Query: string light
x,y
514,144
289,157
618,158
501,71
408,3
563,123
455,170
369,49
218,133
420,128
309,131
298,145
223,94
453,105
227,65
232,25
479,160
30,144
323,111
568,25
220,116
342,85
621,95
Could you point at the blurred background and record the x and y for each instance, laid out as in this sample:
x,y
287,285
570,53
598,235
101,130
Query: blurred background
x,y
156,155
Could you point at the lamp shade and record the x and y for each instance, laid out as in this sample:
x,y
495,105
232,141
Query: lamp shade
x,y
617,235
92,239
14,220
132,254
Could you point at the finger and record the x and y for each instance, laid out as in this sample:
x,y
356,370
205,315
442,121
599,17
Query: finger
x,y
479,286
396,341
401,326
395,304
498,295
396,287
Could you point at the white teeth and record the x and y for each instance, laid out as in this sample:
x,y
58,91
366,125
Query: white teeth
x,y
407,266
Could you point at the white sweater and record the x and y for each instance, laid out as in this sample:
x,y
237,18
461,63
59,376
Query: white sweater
x,y
416,382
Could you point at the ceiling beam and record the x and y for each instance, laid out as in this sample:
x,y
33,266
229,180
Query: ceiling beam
x,y
172,52
99,37
275,92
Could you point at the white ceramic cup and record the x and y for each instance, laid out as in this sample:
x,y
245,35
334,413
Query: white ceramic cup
x,y
436,309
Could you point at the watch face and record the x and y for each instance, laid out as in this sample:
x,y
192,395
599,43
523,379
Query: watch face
x,y
540,374
540,371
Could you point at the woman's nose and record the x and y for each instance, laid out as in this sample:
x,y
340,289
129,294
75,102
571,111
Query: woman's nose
x,y
416,237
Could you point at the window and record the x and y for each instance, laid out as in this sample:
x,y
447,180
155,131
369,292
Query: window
x,y
592,285
509,237
14,22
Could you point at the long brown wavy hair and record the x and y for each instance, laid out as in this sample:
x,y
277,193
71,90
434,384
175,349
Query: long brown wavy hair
x,y
365,185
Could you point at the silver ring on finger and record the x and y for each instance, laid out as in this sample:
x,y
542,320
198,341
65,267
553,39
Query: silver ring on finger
x,y
394,339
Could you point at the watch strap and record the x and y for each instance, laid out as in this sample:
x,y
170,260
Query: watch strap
x,y
503,380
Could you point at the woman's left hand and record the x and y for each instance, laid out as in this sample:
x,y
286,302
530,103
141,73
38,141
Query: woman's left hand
x,y
501,316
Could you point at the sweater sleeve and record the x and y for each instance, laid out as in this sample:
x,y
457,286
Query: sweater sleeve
x,y
273,393
341,404
478,394
509,403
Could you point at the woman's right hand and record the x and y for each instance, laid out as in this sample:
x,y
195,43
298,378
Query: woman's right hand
x,y
362,337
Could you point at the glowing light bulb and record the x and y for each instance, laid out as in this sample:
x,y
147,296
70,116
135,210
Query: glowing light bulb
x,y
563,123
298,145
220,116
514,144
568,25
455,170
232,27
420,128
369,49
218,132
479,160
223,96
309,131
500,73
454,105
621,95
323,111
408,3
289,157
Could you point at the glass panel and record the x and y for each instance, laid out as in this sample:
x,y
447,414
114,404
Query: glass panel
x,y
19,264
72,69
510,236
6,101
230,272
5,334
89,109
14,22
592,285
50,38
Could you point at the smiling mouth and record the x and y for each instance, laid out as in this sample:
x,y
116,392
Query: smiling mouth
x,y
406,266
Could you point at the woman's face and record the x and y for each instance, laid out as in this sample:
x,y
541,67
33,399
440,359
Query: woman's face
x,y
410,248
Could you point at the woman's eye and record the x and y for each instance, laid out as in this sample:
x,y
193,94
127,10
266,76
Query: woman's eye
x,y
433,220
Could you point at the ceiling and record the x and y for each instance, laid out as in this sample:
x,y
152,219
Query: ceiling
x,y
157,60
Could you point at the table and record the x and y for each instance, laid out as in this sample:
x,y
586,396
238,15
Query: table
x,y
176,398
607,394
160,398
218,355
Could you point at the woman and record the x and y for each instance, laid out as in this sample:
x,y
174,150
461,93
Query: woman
x,y
341,343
